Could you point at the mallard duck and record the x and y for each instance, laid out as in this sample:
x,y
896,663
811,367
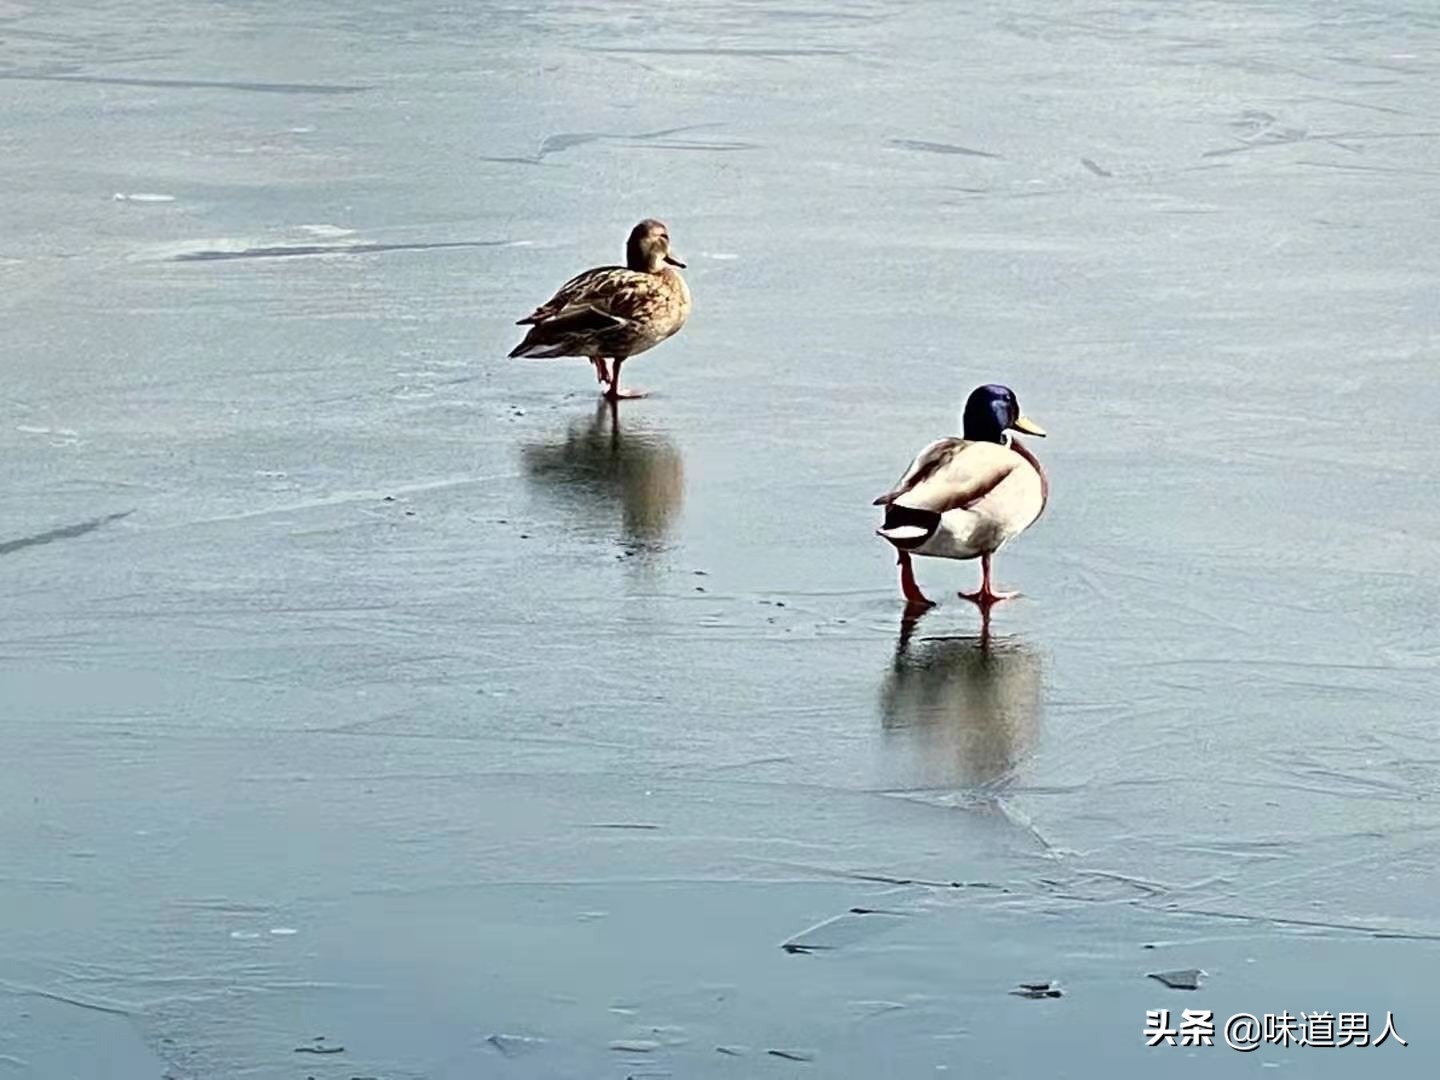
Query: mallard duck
x,y
966,498
614,311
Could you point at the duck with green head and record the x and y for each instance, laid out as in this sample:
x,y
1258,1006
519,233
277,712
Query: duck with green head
x,y
966,498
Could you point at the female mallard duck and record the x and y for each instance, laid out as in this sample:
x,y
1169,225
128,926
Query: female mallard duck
x,y
614,311
962,498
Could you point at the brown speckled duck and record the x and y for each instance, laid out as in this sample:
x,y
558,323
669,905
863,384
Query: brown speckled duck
x,y
614,311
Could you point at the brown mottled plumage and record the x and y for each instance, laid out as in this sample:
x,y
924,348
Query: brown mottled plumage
x,y
613,311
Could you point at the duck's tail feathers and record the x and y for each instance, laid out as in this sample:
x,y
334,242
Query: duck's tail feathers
x,y
540,350
904,535
908,526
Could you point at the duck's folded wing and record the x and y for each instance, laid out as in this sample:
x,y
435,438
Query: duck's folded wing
x,y
617,299
574,331
926,462
579,291
580,319
951,474
628,295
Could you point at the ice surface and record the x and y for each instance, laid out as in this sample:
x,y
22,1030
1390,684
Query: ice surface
x,y
323,617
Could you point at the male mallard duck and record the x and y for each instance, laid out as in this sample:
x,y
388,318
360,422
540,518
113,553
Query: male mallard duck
x,y
614,311
962,498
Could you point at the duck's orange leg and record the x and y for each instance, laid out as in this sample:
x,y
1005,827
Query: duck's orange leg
x,y
602,373
986,596
914,598
614,393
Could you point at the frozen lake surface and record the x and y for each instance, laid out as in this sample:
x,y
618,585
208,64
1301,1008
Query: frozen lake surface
x,y
375,706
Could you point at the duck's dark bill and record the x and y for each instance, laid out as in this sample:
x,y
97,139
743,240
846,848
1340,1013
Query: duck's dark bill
x,y
1029,427
674,261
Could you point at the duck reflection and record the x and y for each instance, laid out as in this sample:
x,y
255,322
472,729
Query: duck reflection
x,y
597,469
967,708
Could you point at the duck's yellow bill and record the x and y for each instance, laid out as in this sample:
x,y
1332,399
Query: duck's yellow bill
x,y
1028,426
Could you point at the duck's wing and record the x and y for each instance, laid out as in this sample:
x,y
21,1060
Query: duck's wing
x,y
624,295
926,462
594,310
951,474
578,319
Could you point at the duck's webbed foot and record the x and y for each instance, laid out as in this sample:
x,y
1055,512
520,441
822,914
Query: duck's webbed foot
x,y
914,599
987,596
614,393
